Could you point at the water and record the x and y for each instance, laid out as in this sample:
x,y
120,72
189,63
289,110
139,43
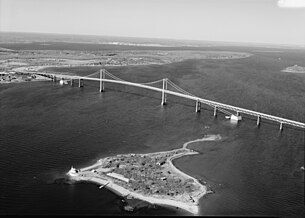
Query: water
x,y
46,128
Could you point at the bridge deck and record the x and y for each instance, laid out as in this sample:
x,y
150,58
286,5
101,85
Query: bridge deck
x,y
205,101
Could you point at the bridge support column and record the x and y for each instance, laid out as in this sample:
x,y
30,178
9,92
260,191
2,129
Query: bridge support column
x,y
80,83
163,102
281,126
54,79
215,111
71,82
198,106
236,117
258,121
102,83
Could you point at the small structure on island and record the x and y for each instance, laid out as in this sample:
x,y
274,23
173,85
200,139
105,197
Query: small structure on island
x,y
118,176
73,171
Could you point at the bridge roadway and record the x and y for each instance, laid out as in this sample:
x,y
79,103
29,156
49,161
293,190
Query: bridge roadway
x,y
197,99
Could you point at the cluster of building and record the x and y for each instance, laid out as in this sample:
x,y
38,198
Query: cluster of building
x,y
15,77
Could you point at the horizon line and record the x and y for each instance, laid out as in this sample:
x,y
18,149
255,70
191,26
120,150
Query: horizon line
x,y
161,38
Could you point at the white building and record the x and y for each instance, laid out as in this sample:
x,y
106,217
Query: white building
x,y
118,176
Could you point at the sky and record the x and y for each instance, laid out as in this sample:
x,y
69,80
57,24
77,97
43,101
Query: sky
x,y
258,21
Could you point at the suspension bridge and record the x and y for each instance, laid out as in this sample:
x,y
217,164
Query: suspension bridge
x,y
179,92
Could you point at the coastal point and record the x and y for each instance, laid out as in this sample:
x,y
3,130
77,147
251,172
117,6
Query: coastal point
x,y
149,177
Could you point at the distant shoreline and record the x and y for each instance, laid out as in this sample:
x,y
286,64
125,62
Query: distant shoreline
x,y
191,206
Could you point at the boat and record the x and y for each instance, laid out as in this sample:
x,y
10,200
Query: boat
x,y
302,168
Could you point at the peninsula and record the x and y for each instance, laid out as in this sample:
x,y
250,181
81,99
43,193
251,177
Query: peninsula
x,y
22,65
149,177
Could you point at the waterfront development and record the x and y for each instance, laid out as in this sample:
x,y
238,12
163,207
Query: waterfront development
x,y
252,170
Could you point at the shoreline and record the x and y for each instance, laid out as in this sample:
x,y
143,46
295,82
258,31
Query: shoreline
x,y
192,207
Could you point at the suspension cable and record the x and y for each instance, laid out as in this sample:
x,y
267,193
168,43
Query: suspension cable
x,y
179,89
92,74
117,78
148,83
113,77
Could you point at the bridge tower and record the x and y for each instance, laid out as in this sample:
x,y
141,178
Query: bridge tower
x,y
281,126
163,102
198,106
215,111
102,83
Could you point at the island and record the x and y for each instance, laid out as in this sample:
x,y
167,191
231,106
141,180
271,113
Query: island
x,y
294,69
150,177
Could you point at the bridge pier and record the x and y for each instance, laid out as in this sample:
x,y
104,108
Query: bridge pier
x,y
54,78
236,117
258,120
198,106
215,111
163,102
80,83
102,83
281,126
71,82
